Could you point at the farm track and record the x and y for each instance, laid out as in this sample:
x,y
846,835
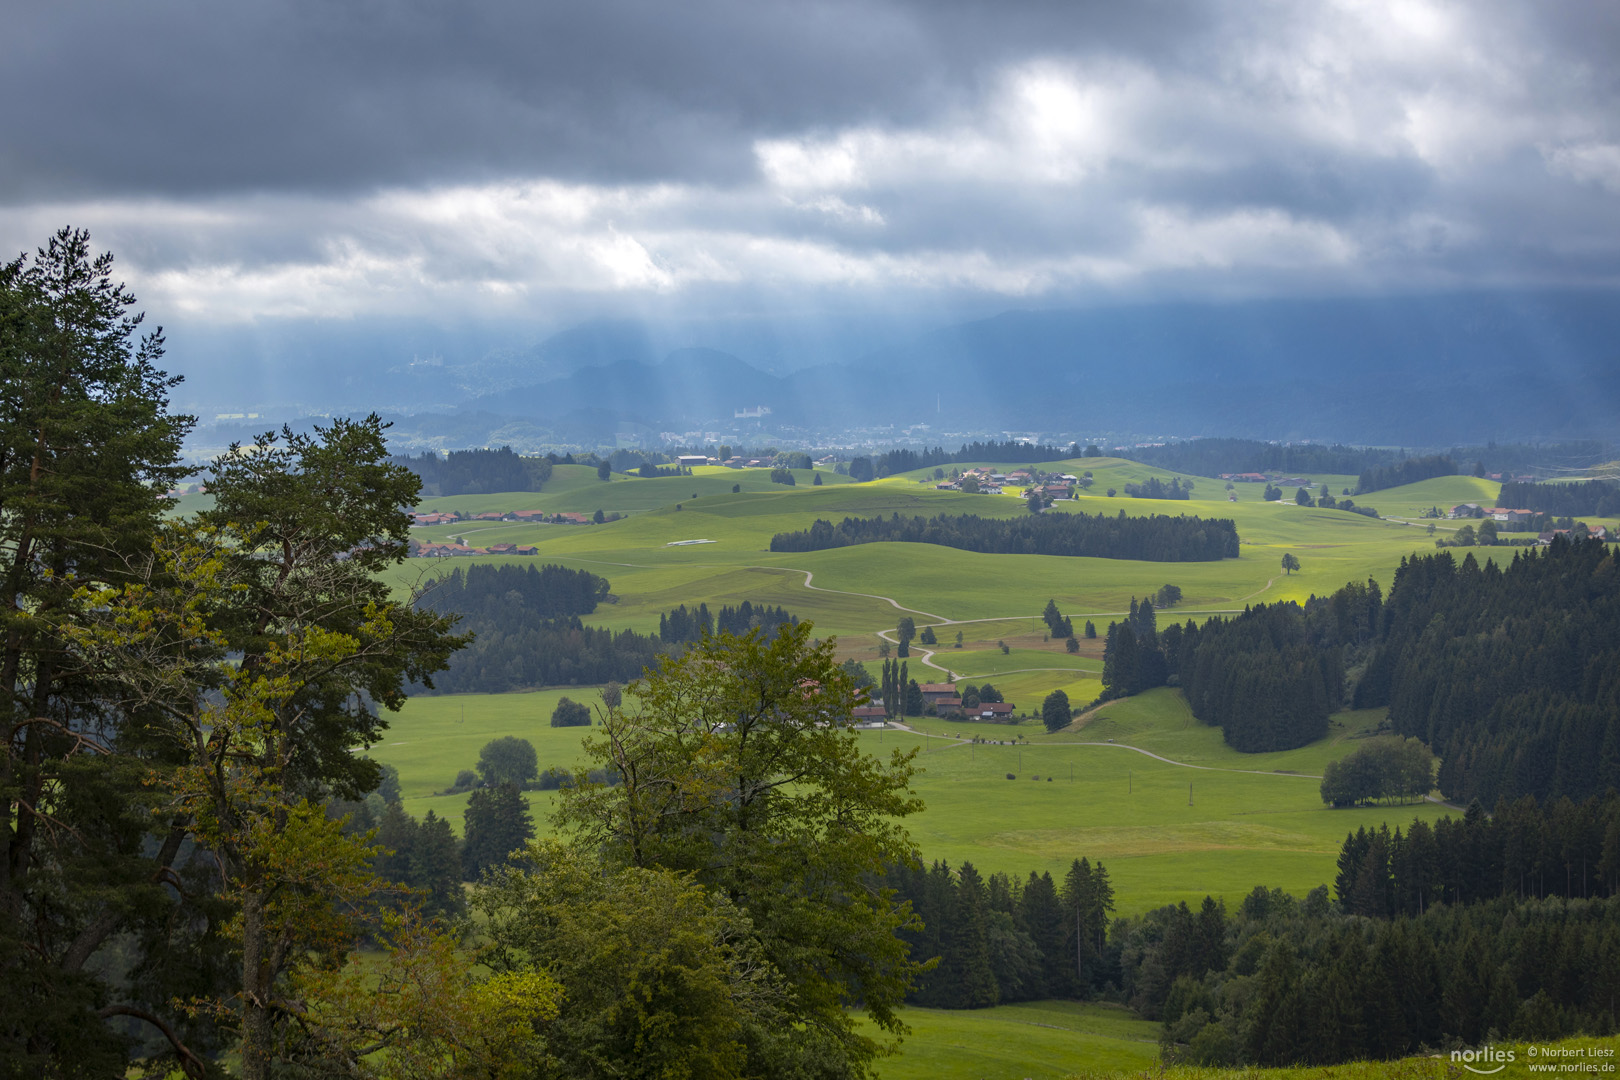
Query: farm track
x,y
1123,746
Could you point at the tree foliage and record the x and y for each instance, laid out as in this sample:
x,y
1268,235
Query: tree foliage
x,y
1406,471
1055,711
732,774
477,472
570,713
1157,538
88,445
509,760
1384,769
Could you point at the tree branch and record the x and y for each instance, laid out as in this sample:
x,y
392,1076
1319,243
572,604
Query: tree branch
x,y
193,1065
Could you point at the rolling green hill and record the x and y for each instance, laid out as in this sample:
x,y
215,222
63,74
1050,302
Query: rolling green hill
x,y
1263,824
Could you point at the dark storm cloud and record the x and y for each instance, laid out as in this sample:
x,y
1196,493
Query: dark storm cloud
x,y
190,98
320,160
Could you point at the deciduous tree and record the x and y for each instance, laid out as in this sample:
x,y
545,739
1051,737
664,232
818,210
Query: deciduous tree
x,y
730,772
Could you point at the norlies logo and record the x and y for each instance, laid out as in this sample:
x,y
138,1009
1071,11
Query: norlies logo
x,y
1486,1061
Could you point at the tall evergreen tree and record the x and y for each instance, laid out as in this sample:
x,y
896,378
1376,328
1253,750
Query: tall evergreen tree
x,y
497,823
968,972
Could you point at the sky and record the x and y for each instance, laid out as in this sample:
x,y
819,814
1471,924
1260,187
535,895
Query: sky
x,y
512,162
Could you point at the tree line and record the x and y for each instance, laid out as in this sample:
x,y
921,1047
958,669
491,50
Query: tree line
x,y
1596,498
1285,981
1523,850
1269,678
477,472
682,625
1212,457
1407,471
1155,538
1154,488
1002,939
1010,452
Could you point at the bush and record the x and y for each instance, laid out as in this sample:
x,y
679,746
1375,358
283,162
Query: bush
x,y
1012,776
571,714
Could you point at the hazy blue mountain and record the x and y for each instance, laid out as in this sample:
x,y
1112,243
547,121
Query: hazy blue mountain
x,y
1406,370
689,386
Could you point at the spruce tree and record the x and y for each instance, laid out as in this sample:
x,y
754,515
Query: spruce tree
x,y
970,976
496,824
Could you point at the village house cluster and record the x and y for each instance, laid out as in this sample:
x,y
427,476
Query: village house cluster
x,y
1517,520
986,481
421,549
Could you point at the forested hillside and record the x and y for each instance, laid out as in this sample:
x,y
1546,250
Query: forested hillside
x,y
1212,457
526,629
1409,471
1511,676
1599,498
1506,924
1157,538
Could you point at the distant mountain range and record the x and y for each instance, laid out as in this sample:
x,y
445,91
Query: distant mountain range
x,y
1407,371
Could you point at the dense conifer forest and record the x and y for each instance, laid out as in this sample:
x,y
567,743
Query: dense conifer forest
x,y
525,622
1408,471
1598,498
1158,538
682,625
1478,927
1511,675
1212,457
477,472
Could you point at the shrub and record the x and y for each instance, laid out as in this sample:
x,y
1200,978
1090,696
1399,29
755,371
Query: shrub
x,y
571,714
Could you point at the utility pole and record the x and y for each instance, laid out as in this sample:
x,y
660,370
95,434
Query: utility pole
x,y
1189,794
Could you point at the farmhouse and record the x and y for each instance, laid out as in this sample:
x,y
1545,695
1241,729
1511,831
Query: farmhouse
x,y
935,692
691,459
865,713
993,710
1464,510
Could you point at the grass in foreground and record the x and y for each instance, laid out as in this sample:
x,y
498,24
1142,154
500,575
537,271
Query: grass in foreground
x,y
1032,1039
1581,1055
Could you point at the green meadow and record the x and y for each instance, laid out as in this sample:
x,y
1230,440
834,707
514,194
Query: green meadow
x,y
1033,1039
1138,784
1208,820
1252,819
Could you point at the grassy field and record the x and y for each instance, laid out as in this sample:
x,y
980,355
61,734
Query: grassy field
x,y
1215,821
1034,1039
1254,818
1008,798
1575,1056
938,585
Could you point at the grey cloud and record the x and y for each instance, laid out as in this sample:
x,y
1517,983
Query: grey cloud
x,y
186,97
